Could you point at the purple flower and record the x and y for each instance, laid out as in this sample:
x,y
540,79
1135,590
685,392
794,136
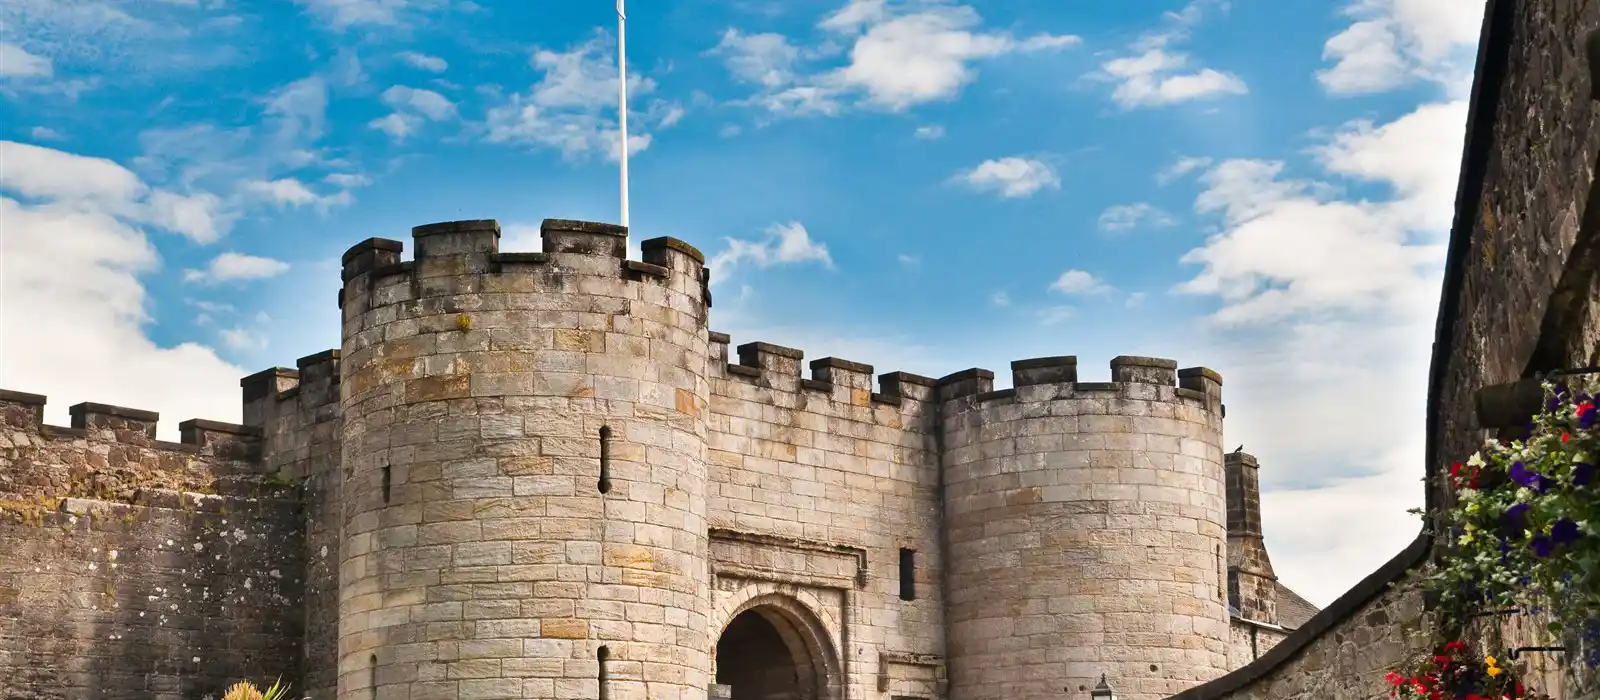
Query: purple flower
x,y
1582,474
1542,546
1565,531
1515,521
1521,474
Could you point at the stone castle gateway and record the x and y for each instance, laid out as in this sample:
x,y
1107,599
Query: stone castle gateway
x,y
541,475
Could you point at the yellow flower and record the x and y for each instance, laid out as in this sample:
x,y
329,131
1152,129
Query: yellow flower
x,y
1489,660
1495,671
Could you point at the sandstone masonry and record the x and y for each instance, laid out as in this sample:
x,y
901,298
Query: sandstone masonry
x,y
541,475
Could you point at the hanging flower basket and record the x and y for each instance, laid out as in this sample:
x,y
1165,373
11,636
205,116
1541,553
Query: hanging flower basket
x,y
1523,530
1455,671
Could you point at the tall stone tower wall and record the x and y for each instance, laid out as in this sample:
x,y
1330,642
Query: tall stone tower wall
x,y
1086,528
524,453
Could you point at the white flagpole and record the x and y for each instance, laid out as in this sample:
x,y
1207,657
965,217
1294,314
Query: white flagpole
x,y
622,93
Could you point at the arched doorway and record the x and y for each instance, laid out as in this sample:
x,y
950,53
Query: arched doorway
x,y
773,649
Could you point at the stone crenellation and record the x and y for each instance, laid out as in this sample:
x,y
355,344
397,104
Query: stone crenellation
x,y
542,475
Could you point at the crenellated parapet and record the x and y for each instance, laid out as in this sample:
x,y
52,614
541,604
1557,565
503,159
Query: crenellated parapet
x,y
776,368
112,451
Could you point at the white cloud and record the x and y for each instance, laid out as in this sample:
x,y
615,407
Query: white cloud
x,y
908,260
289,192
1135,300
899,56
72,304
236,267
1011,177
398,126
100,185
432,64
428,103
1157,75
1052,315
240,338
1181,167
344,14
45,133
1080,283
1000,299
300,109
1392,42
1288,247
1126,217
572,108
783,244
768,59
929,133
18,63
347,180
1324,303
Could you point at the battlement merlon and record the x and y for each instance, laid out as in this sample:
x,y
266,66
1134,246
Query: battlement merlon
x,y
1044,378
316,381
449,254
778,367
23,411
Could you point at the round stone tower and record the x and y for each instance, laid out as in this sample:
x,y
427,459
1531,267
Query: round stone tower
x,y
524,455
1087,527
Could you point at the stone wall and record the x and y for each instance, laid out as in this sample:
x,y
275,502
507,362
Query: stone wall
x,y
1532,136
120,579
816,486
524,446
297,412
1086,526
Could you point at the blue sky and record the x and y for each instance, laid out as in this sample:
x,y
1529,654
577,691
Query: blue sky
x,y
923,185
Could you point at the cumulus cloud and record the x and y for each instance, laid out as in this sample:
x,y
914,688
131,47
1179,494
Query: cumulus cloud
x,y
898,56
344,14
428,103
15,62
1155,74
1335,297
236,267
1126,217
1011,177
573,106
1080,283
72,303
782,244
422,61
413,108
1392,42
290,192
100,185
1181,167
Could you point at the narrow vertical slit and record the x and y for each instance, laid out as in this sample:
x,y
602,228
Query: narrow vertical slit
x,y
372,670
602,655
908,574
387,480
605,459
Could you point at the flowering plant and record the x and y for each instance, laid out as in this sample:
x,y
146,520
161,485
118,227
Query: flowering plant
x,y
1456,672
1523,529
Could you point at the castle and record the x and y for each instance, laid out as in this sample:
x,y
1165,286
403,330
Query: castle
x,y
541,475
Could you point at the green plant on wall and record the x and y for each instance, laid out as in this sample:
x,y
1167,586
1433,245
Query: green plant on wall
x,y
1523,533
244,690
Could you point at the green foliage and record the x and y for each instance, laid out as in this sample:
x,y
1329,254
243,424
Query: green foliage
x,y
1525,529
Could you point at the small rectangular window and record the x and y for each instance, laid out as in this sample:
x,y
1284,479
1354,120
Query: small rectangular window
x,y
387,481
605,459
908,574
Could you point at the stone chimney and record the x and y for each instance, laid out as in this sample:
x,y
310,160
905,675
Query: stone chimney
x,y
1251,582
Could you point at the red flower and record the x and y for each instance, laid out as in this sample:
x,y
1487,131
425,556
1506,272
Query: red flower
x,y
1565,437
